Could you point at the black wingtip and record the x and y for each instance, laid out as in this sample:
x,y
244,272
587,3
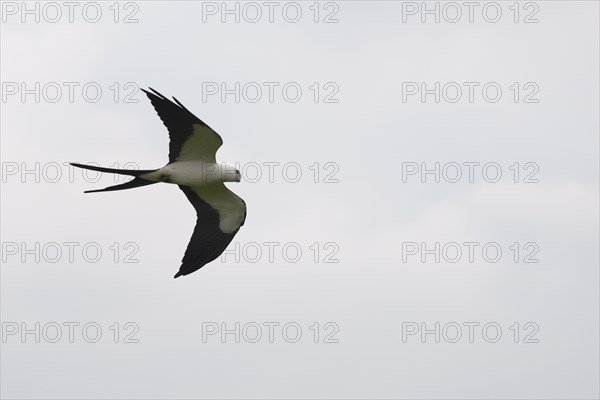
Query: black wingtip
x,y
179,104
154,93
178,274
96,190
157,93
160,96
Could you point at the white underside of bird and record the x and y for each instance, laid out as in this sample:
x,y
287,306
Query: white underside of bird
x,y
206,179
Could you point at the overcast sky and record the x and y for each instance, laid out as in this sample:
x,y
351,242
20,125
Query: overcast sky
x,y
422,200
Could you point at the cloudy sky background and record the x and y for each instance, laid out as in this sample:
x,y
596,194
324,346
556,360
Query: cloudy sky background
x,y
371,293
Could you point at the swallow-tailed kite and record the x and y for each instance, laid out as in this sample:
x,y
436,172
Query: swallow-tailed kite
x,y
193,166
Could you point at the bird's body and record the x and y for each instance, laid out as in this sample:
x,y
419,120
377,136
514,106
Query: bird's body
x,y
193,167
193,173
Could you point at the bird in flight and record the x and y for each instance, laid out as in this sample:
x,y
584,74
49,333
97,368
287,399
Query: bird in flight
x,y
193,167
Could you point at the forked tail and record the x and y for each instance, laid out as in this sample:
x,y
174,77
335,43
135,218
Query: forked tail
x,y
136,182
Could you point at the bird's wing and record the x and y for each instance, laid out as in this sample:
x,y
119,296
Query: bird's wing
x,y
221,213
191,139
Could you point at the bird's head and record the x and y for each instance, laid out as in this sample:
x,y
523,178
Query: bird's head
x,y
229,173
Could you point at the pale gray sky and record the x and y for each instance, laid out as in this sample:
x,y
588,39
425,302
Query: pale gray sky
x,y
355,131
